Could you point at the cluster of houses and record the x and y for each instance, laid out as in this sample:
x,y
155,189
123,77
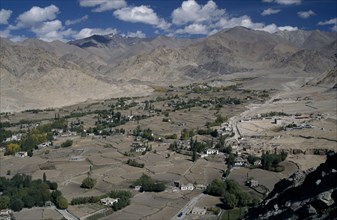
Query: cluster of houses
x,y
225,129
138,147
189,186
14,137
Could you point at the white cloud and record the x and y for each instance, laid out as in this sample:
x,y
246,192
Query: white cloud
x,y
284,2
208,19
35,16
47,26
332,21
52,30
43,22
6,34
103,5
141,14
328,22
191,11
270,11
87,32
288,28
194,29
305,14
5,15
138,34
76,21
246,21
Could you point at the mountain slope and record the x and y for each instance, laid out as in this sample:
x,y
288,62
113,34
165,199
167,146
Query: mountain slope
x,y
32,77
106,61
114,48
235,50
308,39
304,195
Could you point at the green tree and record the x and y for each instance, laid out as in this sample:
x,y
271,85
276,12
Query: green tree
x,y
4,202
16,204
230,200
54,195
67,143
12,148
244,199
88,182
230,160
44,177
216,188
194,155
61,202
28,201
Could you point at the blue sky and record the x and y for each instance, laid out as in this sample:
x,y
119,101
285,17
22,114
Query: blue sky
x,y
74,19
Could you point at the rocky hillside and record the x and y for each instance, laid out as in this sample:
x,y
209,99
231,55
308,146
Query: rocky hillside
x,y
39,77
308,39
308,194
327,79
104,61
235,50
114,48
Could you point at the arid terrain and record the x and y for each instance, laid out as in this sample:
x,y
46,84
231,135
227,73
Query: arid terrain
x,y
242,106
105,156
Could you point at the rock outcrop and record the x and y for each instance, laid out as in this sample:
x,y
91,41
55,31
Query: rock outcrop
x,y
308,194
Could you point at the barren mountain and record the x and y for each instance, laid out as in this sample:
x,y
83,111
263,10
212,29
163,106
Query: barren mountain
x,y
114,48
32,77
235,50
308,39
327,79
94,67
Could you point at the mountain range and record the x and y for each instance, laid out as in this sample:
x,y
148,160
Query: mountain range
x,y
38,74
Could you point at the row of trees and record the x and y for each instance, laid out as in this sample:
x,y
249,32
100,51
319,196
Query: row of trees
x,y
231,192
35,136
22,192
148,184
271,161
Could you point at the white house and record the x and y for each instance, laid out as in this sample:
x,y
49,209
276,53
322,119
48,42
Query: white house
x,y
45,144
15,137
257,163
253,183
21,154
188,186
109,201
140,149
137,188
200,187
239,162
212,151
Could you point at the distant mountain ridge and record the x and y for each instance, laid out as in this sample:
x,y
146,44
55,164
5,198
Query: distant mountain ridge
x,y
111,60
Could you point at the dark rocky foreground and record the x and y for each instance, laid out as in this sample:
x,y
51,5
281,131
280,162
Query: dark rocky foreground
x,y
308,194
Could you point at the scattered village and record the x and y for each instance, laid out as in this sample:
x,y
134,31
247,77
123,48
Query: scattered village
x,y
184,137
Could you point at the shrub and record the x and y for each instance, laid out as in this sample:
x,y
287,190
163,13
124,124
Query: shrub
x,y
88,183
16,204
134,163
67,143
61,202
